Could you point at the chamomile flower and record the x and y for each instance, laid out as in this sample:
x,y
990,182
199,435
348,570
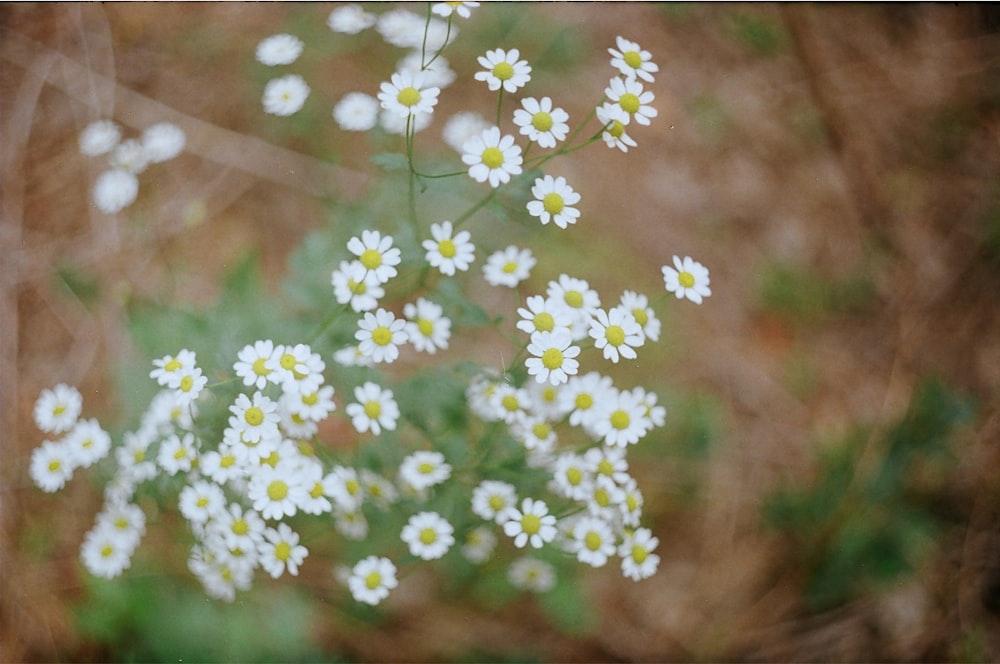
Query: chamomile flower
x,y
461,8
540,122
374,410
687,278
357,286
572,476
105,553
582,301
492,157
638,560
543,315
88,443
351,356
616,333
461,127
52,464
608,462
532,524
285,96
424,469
530,573
177,453
631,504
615,120
657,414
426,328
631,60
479,545
255,420
114,190
509,403
508,267
406,95
449,252
167,371
554,201
281,49
592,541
638,305
381,491
491,498
380,334
297,368
99,138
406,29
312,406
535,433
504,69
57,409
371,579
620,420
581,396
344,486
129,156
190,385
554,356
428,535
226,464
281,551
277,491
163,141
200,501
376,254
240,527
127,519
631,97
352,524
350,19
356,111
252,364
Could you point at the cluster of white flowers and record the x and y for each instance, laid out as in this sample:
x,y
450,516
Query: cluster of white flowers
x,y
246,486
117,187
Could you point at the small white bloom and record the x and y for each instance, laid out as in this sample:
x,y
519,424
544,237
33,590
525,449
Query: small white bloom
x,y
449,252
491,498
99,138
374,410
631,60
201,501
424,469
582,394
508,267
553,201
529,573
427,328
57,409
688,278
479,545
356,111
532,524
371,579
543,315
129,156
461,127
644,315
277,491
582,301
614,120
281,49
616,333
177,454
357,286
281,551
503,69
461,8
350,19
376,254
632,98
297,368
428,535
170,368
252,364
163,142
380,334
540,122
620,419
638,560
406,94
492,156
114,190
593,541
88,443
255,420
572,476
104,552
52,464
286,95
437,74
554,356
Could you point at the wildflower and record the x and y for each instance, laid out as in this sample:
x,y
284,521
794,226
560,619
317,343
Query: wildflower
x,y
630,507
553,201
375,409
620,420
581,394
554,355
201,501
509,402
424,469
638,305
126,519
167,371
350,19
296,368
479,545
449,252
285,96
252,364
351,524
357,286
535,433
277,491
379,489
255,420
281,551
356,111
508,267
630,96
88,443
572,475
380,335
428,535
540,122
532,524
99,138
688,278
616,333
631,60
638,560
281,49
129,156
582,301
371,579
133,463
461,8
614,120
427,328
461,127
240,527
105,553
503,69
543,315
190,385
492,157
529,573
593,542
162,142
57,409
405,94
406,29
177,454
438,73
52,464
115,190
344,486
314,406
491,498
376,254
351,356
608,462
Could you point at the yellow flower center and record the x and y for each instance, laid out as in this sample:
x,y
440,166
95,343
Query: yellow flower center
x,y
172,365
510,403
510,267
639,553
629,103
574,476
240,527
640,315
632,59
425,468
601,497
227,461
408,96
574,299
425,326
605,468
617,129
316,491
272,459
531,524
371,258
107,550
260,367
373,409
447,248
541,430
287,361
311,399
553,203
352,486
382,335
54,465
373,580
615,335
552,358
542,121
254,416
503,70
497,503
277,490
358,288
592,541
584,401
620,419
492,157
59,410
686,279
187,382
428,536
282,551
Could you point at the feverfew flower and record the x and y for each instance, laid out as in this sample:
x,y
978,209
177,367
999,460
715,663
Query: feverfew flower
x,y
461,7
177,454
630,96
426,328
529,573
403,28
638,305
582,301
190,385
424,469
405,94
449,252
296,368
380,334
371,579
285,96
554,354
357,286
638,560
282,49
105,553
616,333
631,60
57,409
540,122
255,421
428,535
201,501
572,476
163,142
277,491
88,443
252,364
129,156
376,254
592,541
52,464
169,368
620,419
114,190
479,545
553,201
614,120
374,410
281,551
350,19
503,69
688,278
99,138
492,157
461,127
356,111
491,498
508,267
532,524
543,315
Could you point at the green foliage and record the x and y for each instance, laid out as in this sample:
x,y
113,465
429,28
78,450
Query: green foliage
x,y
863,525
801,295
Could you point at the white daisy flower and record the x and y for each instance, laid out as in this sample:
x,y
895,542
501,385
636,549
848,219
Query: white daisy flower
x,y
162,142
630,506
553,201
582,393
491,498
532,574
543,315
492,157
52,464
240,527
99,138
376,254
132,457
656,414
461,8
357,286
428,535
632,98
638,305
631,60
572,476
532,524
88,443
57,409
371,579
424,469
374,410
582,301
426,328
592,541
177,453
380,334
403,28
382,492
127,519
616,333
281,49
350,19
114,190
461,127
509,403
503,69
286,95
281,551
610,462
479,545
448,252
201,501
297,368
540,122
129,156
190,385
169,368
352,525
252,364
356,111
688,278
620,420
255,420
508,267
554,354
105,553
277,491
406,95
638,560
614,120
535,434
312,406
344,486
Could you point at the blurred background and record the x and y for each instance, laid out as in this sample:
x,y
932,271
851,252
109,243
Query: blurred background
x,y
827,486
